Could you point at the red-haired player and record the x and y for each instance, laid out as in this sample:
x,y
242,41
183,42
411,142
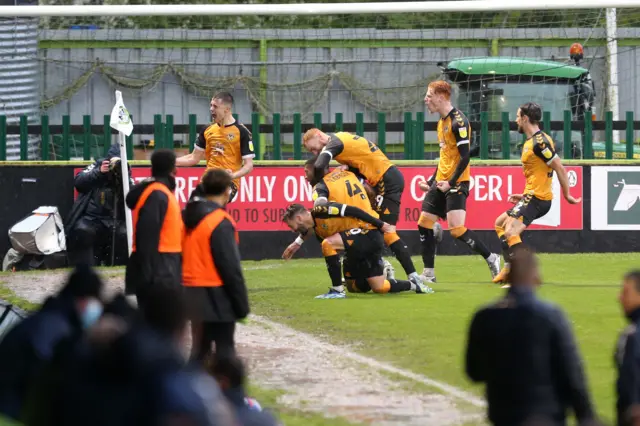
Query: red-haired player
x,y
448,188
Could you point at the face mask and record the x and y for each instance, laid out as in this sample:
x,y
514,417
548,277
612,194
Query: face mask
x,y
91,313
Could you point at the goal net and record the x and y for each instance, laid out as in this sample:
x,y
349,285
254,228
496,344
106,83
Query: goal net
x,y
339,62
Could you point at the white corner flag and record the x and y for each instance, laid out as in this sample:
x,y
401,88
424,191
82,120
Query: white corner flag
x,y
121,121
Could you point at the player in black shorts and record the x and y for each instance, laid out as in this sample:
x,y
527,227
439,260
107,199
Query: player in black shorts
x,y
448,188
365,159
539,162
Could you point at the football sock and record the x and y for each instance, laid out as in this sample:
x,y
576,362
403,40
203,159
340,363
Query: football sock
x,y
428,246
401,251
396,286
335,272
470,238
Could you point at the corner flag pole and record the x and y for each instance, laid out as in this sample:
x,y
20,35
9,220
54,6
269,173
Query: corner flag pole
x,y
121,121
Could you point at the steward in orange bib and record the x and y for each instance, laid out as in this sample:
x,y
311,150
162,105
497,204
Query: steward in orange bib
x,y
157,230
211,271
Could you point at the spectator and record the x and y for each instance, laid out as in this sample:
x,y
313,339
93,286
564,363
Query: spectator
x,y
140,371
46,393
523,350
211,270
97,213
627,354
229,372
28,346
156,258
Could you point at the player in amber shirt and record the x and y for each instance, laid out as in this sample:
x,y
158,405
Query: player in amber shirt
x,y
539,161
364,158
225,143
354,230
448,188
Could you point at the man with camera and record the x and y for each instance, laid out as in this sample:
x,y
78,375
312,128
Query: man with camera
x,y
96,227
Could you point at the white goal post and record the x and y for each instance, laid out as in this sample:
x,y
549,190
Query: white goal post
x,y
309,8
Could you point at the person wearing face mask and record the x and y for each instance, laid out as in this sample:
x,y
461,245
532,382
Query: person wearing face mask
x,y
157,230
30,345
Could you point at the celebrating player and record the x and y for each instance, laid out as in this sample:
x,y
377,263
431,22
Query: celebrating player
x,y
448,188
342,218
225,143
365,158
539,161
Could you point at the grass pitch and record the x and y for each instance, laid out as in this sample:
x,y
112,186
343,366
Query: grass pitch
x,y
427,333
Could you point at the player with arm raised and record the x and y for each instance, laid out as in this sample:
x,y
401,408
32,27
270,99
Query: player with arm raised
x,y
448,189
366,159
539,161
225,143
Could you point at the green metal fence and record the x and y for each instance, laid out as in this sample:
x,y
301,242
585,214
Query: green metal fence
x,y
491,139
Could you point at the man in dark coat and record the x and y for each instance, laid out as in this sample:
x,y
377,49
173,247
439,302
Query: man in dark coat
x,y
156,258
627,354
524,351
29,345
211,270
97,213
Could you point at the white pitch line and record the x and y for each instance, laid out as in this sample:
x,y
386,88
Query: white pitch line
x,y
312,341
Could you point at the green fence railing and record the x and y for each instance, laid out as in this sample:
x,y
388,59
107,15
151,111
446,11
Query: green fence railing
x,y
490,139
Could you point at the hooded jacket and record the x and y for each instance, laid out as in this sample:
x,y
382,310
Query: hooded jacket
x,y
97,193
147,265
229,302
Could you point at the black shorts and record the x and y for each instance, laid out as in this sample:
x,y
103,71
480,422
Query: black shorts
x,y
529,208
438,203
357,286
363,253
389,192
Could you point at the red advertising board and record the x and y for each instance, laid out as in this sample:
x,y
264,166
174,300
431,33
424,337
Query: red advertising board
x,y
267,191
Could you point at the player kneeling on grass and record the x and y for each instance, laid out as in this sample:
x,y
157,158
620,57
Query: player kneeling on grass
x,y
362,245
539,161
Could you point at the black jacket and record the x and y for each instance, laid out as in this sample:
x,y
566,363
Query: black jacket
x,y
229,302
147,267
97,193
523,349
627,360
29,345
142,376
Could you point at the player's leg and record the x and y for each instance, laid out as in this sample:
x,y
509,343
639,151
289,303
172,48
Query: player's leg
x,y
528,209
390,190
433,208
456,201
330,247
365,251
500,224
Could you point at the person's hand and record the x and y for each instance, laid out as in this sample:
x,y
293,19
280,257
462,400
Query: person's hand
x,y
230,173
444,186
388,229
104,167
107,329
291,250
572,200
425,185
514,198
